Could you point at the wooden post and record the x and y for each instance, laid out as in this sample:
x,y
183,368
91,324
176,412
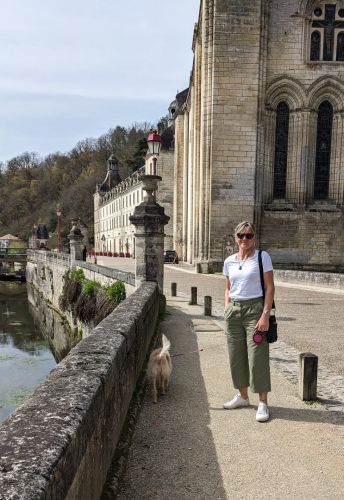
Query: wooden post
x,y
308,374
207,305
193,301
174,289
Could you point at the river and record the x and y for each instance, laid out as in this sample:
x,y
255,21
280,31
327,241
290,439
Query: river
x,y
33,339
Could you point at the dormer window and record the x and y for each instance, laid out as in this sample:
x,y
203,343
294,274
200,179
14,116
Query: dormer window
x,y
327,33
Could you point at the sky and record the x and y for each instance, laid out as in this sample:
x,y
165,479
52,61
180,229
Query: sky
x,y
71,69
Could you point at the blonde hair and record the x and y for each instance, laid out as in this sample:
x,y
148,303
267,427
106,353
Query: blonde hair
x,y
243,225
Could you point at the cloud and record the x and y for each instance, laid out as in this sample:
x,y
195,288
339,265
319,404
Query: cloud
x,y
119,59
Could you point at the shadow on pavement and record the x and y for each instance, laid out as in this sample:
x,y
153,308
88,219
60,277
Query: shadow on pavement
x,y
173,453
305,415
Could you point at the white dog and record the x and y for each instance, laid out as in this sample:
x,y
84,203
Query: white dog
x,y
160,368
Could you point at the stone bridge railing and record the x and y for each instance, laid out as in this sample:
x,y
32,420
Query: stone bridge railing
x,y
60,443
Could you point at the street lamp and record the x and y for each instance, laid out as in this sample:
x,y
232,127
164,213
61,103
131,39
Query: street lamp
x,y
154,146
58,213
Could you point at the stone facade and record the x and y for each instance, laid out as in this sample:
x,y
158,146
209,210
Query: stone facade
x,y
233,159
114,204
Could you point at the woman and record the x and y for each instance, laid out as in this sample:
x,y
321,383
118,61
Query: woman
x,y
245,312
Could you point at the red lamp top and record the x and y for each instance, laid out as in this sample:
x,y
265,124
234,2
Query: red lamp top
x,y
154,142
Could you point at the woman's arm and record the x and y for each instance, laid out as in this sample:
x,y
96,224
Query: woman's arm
x,y
228,287
263,322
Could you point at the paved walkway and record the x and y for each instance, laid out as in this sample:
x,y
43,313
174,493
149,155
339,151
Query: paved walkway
x,y
310,319
188,447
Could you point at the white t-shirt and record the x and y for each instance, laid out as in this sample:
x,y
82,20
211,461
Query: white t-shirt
x,y
245,282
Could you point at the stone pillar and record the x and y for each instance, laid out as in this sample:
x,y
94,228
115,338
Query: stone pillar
x,y
76,243
298,156
149,220
185,187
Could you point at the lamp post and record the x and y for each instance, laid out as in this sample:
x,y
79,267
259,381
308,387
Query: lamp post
x,y
154,146
58,213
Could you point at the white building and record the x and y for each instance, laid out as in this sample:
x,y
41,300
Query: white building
x,y
115,201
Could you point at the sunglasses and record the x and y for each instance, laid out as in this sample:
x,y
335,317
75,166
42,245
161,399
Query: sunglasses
x,y
248,236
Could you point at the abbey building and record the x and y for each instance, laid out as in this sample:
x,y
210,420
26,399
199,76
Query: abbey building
x,y
259,134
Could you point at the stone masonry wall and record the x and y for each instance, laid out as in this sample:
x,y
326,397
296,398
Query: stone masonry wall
x,y
237,52
60,443
165,168
302,233
45,271
249,57
178,180
305,239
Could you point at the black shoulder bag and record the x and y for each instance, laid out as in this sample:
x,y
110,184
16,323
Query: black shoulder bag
x,y
271,334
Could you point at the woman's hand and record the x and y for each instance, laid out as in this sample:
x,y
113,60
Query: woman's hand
x,y
263,323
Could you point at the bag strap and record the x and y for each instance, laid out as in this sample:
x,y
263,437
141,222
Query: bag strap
x,y
261,272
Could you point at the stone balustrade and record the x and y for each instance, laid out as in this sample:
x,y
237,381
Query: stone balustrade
x,y
60,443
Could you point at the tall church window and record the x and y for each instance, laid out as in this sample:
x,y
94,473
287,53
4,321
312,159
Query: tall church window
x,y
340,46
281,150
315,46
323,151
327,19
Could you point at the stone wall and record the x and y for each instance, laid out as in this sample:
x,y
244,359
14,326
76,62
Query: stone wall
x,y
45,271
59,444
304,239
165,192
307,278
248,58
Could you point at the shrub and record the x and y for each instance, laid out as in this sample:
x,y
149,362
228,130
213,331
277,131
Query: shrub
x,y
115,292
86,307
71,292
77,275
87,299
89,287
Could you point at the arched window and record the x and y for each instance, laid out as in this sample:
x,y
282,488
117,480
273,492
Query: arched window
x,y
340,46
281,150
315,46
323,151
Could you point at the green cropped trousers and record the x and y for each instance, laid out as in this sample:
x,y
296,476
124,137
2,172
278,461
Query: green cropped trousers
x,y
249,362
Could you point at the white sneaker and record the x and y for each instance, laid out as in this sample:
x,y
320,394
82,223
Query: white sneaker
x,y
262,412
237,402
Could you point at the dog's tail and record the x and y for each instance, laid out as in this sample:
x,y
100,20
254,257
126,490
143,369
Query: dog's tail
x,y
166,344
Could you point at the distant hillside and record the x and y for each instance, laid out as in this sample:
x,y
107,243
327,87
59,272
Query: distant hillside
x,y
32,187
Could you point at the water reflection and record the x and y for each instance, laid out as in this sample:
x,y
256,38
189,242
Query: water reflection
x,y
30,344
53,326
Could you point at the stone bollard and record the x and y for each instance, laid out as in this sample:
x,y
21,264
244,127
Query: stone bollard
x,y
207,305
174,289
308,374
193,301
